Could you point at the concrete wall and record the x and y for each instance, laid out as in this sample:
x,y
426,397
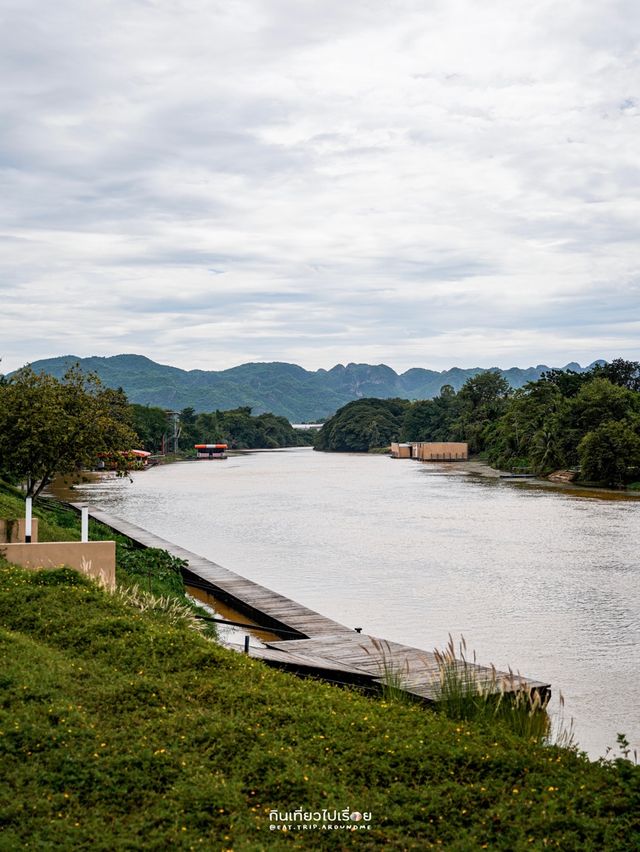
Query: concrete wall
x,y
14,530
442,451
96,559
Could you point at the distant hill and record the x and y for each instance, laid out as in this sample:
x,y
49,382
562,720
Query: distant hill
x,y
285,389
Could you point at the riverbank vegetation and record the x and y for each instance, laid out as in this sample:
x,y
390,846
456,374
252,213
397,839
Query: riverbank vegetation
x,y
238,428
122,728
588,421
363,425
51,426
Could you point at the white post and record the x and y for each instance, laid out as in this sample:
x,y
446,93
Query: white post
x,y
84,524
27,520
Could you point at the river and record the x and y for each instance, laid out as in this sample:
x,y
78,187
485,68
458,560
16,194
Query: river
x,y
543,580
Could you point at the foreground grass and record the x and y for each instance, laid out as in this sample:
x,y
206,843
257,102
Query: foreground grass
x,y
122,729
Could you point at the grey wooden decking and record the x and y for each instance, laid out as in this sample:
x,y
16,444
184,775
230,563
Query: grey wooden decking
x,y
414,670
269,608
322,647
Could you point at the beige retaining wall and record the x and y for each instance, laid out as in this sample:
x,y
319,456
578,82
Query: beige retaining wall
x,y
14,530
96,559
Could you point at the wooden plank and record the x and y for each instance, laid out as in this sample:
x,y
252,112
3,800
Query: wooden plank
x,y
291,658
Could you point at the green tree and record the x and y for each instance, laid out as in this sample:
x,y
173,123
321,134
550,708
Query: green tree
x,y
545,449
189,433
609,452
568,382
481,401
48,426
530,432
626,374
274,431
601,400
431,419
239,427
116,404
209,428
361,425
150,425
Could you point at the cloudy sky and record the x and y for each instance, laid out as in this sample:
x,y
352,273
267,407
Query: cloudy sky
x,y
416,182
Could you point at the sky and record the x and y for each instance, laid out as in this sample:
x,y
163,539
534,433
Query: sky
x,y
421,183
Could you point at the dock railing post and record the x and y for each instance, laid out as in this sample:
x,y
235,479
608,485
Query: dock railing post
x,y
246,644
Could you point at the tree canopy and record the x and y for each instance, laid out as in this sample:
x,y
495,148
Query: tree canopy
x,y
239,428
363,424
50,426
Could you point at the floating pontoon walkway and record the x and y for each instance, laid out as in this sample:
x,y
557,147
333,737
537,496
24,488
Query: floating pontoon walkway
x,y
318,645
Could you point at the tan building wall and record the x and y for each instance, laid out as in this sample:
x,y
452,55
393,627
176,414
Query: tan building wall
x,y
441,451
96,559
14,530
401,451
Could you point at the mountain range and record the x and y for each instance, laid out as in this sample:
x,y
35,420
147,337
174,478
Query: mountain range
x,y
286,389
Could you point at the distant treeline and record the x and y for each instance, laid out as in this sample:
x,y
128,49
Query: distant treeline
x,y
238,428
588,421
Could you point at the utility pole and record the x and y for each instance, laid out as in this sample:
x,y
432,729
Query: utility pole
x,y
174,416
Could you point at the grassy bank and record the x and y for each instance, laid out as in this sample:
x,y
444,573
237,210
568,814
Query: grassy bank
x,y
126,729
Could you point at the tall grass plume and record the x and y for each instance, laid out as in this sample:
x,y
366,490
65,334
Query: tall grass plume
x,y
392,676
467,692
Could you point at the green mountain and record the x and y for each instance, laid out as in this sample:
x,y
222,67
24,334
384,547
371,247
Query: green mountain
x,y
284,389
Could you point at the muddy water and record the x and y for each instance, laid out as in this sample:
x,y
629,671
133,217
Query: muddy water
x,y
544,580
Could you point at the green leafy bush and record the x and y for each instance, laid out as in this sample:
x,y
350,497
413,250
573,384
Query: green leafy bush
x,y
154,569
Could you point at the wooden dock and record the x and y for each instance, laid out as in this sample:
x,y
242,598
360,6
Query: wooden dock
x,y
318,645
267,608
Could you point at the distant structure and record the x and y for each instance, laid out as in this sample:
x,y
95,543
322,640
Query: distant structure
x,y
307,426
401,451
211,451
431,451
174,418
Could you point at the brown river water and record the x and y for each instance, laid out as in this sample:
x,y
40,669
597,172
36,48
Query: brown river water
x,y
545,580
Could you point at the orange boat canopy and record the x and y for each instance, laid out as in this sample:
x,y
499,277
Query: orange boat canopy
x,y
210,446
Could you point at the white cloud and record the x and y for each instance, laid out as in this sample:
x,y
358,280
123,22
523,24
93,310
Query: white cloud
x,y
421,184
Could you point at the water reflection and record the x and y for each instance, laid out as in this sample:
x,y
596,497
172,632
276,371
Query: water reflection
x,y
541,578
226,632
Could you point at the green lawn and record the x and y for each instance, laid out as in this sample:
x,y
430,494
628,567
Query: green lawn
x,y
122,729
